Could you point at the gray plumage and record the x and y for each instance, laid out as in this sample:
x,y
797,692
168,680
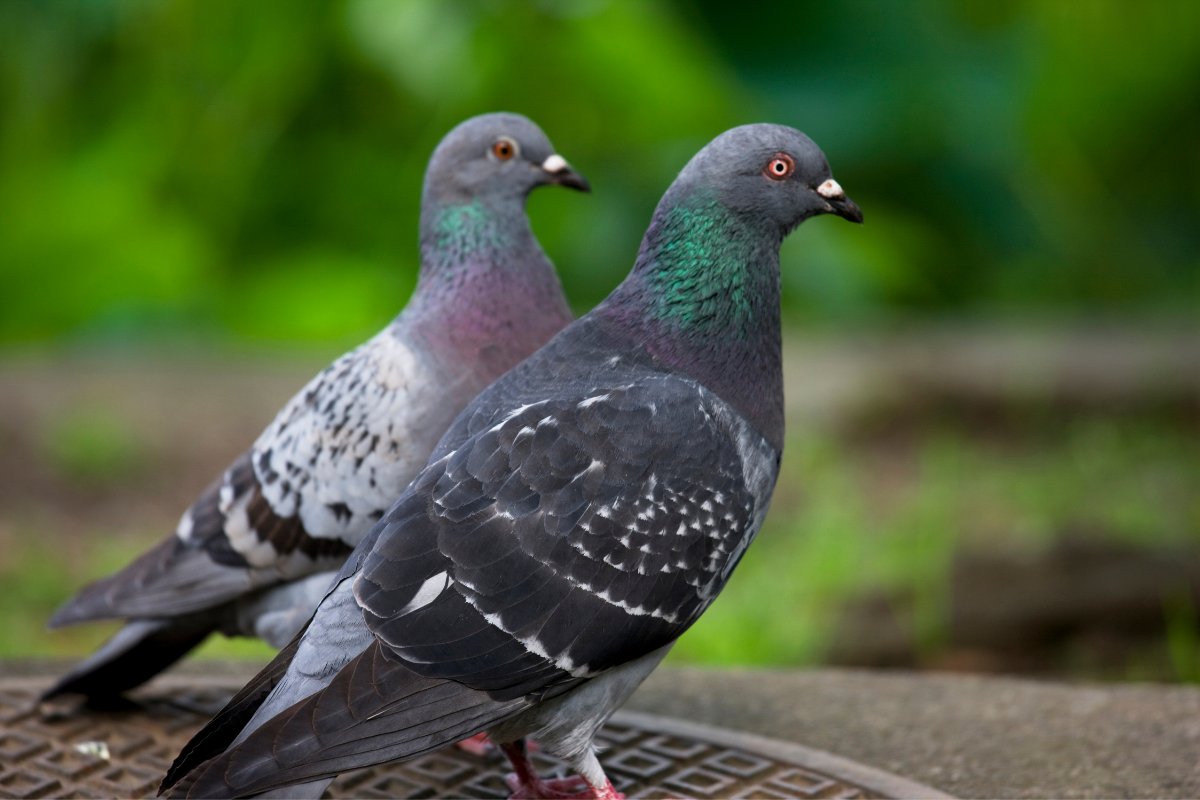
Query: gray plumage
x,y
577,517
248,556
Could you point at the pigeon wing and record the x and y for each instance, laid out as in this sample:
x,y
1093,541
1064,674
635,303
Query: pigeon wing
x,y
575,534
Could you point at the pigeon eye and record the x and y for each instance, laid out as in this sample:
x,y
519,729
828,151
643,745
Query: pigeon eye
x,y
780,167
504,149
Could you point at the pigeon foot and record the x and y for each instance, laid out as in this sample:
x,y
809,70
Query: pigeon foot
x,y
526,785
573,788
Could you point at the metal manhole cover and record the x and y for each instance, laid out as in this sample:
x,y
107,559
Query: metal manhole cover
x,y
125,754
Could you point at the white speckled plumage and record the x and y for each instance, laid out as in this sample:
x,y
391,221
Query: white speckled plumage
x,y
341,450
348,450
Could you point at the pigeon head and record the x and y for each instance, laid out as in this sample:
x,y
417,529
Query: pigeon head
x,y
703,295
710,258
765,174
496,156
473,221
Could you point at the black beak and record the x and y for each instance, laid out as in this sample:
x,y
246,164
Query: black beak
x,y
845,208
836,201
560,172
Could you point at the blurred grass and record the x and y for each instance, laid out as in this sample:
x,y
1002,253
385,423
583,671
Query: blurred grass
x,y
1183,634
849,516
837,530
92,447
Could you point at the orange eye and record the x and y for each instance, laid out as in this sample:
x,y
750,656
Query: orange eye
x,y
780,167
504,149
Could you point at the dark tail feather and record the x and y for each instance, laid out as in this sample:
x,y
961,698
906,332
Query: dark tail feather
x,y
134,655
222,729
171,579
98,600
374,710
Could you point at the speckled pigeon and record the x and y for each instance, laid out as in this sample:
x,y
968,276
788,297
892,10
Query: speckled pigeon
x,y
257,551
576,518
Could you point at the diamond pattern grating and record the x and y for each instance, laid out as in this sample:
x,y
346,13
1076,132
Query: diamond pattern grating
x,y
124,754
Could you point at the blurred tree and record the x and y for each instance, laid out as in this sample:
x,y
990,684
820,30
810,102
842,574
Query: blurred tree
x,y
253,169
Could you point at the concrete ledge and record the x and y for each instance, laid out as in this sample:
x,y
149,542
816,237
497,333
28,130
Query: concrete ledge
x,y
970,736
60,750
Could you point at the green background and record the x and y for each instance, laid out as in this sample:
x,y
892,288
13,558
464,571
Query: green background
x,y
252,169
198,181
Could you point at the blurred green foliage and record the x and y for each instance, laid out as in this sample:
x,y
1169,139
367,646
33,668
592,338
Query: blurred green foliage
x,y
94,448
252,170
1183,635
844,532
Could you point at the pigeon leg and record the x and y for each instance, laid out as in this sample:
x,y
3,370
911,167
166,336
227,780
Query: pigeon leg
x,y
526,785
477,745
480,745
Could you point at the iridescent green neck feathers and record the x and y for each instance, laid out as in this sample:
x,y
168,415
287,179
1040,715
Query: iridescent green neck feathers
x,y
707,271
458,233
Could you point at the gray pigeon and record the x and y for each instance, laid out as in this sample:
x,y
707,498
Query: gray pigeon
x,y
255,554
576,518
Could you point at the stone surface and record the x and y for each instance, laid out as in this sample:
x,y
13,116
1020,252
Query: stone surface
x,y
969,736
51,750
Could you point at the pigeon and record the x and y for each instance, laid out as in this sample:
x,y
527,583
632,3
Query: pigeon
x,y
255,553
575,519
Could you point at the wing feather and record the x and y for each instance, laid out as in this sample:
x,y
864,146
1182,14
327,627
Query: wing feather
x,y
554,541
375,709
571,527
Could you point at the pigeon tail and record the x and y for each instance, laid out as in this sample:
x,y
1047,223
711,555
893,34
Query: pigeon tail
x,y
221,731
134,655
373,710
169,579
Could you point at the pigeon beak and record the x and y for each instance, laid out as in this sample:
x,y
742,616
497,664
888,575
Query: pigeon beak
x,y
836,202
560,172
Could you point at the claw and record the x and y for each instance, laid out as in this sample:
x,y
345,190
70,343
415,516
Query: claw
x,y
526,785
572,788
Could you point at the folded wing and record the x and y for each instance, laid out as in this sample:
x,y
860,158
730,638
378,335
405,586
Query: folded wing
x,y
568,537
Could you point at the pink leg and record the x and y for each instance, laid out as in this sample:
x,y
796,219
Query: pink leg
x,y
526,785
480,745
477,745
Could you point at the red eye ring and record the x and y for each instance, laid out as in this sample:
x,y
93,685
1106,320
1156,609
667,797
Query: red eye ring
x,y
504,148
780,167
